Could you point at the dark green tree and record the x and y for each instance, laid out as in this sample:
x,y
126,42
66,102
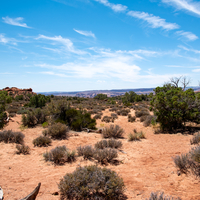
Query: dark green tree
x,y
173,107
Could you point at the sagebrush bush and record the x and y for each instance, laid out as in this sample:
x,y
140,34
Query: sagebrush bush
x,y
131,118
136,136
105,155
114,116
161,196
97,116
8,136
111,143
148,121
57,131
182,162
195,154
195,139
114,131
91,182
22,149
59,155
106,119
42,141
85,151
140,113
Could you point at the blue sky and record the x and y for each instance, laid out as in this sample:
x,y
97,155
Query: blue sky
x,y
76,45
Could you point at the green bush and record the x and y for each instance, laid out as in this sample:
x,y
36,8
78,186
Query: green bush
x,y
91,182
22,149
75,119
42,141
113,132
59,155
8,136
57,131
174,107
39,100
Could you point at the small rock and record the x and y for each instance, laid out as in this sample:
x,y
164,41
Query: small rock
x,y
55,193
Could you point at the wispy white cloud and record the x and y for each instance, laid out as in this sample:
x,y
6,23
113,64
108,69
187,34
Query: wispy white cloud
x,y
187,49
188,35
85,33
6,40
59,40
15,21
53,73
107,64
188,5
114,7
153,21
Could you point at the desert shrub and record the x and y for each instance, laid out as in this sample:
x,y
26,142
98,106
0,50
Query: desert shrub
x,y
42,141
182,162
59,155
114,116
114,109
195,154
124,112
131,118
136,136
97,116
106,119
91,182
111,143
45,124
8,136
87,152
160,196
57,131
113,132
140,113
195,139
22,149
148,121
143,118
34,117
105,155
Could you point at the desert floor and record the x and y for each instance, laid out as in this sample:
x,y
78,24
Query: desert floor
x,y
145,166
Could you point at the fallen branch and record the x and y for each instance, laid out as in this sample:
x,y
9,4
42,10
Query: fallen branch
x,y
32,195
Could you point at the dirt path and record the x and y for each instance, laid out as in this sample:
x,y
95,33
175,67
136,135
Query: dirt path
x,y
146,166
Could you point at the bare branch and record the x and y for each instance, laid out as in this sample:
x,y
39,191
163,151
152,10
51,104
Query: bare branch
x,y
175,81
185,82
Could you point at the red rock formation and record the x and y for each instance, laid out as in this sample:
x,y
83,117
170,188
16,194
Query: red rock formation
x,y
14,91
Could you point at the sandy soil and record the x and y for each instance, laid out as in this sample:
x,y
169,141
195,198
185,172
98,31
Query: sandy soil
x,y
146,165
